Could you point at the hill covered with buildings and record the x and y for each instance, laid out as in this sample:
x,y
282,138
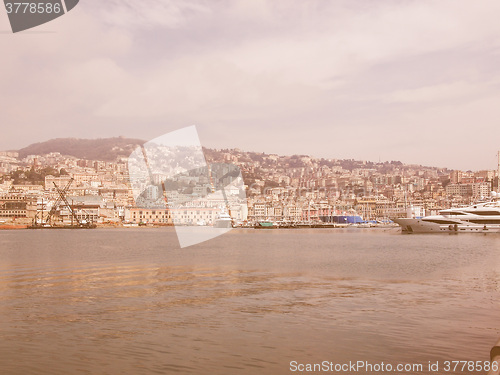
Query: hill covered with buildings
x,y
277,187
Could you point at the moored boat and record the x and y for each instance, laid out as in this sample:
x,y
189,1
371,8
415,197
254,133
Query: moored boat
x,y
223,221
78,226
477,218
13,226
264,225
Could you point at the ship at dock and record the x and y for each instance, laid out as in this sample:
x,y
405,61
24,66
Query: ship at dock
x,y
48,219
478,218
223,221
266,225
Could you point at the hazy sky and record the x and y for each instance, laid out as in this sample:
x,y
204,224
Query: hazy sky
x,y
416,81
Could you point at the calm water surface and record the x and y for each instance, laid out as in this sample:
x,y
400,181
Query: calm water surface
x,y
129,301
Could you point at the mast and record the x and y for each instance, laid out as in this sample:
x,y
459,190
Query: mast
x,y
498,173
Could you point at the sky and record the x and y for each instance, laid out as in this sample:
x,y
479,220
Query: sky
x,y
415,81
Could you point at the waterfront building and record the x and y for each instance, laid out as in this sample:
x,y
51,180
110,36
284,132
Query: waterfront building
x,y
178,216
14,205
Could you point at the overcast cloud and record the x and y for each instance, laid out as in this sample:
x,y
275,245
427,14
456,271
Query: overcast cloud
x,y
416,81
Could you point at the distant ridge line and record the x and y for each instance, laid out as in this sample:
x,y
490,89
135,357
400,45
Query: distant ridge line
x,y
105,149
112,148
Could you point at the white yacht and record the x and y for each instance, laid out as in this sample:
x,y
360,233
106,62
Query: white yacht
x,y
223,221
478,218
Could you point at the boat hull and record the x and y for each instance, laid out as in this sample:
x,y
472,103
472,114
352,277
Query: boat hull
x,y
421,226
90,226
13,226
223,224
265,225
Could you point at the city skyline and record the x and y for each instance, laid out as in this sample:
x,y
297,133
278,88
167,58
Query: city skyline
x,y
409,81
294,188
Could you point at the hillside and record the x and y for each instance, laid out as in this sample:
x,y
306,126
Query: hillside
x,y
109,149
105,149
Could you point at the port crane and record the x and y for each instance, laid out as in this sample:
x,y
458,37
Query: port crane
x,y
48,220
62,198
57,203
